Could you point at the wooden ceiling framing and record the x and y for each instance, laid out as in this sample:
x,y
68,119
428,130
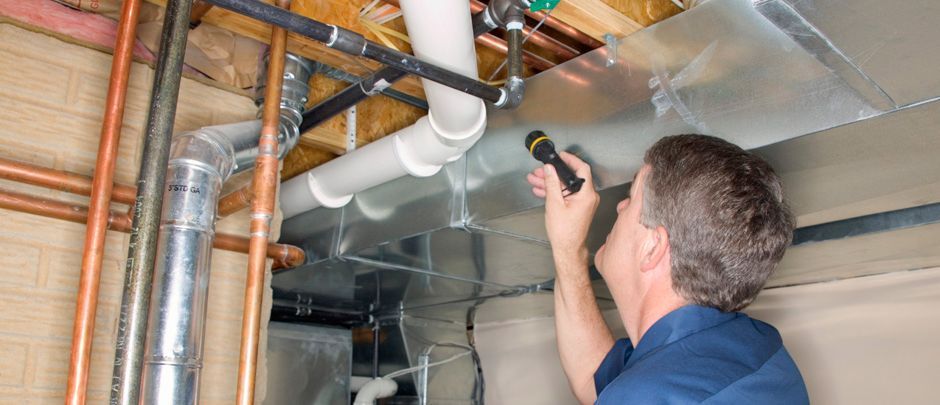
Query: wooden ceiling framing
x,y
379,115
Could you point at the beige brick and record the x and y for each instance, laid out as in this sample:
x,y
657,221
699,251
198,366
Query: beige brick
x,y
18,263
12,362
36,82
52,365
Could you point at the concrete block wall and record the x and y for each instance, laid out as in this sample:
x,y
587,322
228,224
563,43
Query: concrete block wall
x,y
51,104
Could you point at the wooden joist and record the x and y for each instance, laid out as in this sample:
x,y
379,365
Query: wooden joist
x,y
300,45
327,139
595,18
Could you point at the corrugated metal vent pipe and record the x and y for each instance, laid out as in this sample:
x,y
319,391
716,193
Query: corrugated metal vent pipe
x,y
200,162
442,34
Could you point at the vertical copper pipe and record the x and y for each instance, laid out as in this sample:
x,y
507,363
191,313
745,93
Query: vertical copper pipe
x,y
262,210
200,9
99,211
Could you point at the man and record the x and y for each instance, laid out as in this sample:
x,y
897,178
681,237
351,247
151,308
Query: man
x,y
701,231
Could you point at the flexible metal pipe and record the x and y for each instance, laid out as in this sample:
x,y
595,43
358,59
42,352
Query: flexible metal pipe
x,y
143,241
285,255
93,253
262,211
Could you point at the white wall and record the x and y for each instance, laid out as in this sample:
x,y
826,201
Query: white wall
x,y
867,340
521,364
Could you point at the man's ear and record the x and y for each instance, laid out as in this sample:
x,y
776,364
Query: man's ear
x,y
654,248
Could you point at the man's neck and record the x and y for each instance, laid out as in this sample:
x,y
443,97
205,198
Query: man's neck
x,y
651,309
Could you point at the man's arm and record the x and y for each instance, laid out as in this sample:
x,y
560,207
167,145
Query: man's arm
x,y
583,337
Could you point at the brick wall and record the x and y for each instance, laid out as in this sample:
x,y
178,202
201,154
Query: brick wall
x,y
51,105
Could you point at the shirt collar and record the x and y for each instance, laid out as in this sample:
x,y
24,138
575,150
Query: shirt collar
x,y
676,325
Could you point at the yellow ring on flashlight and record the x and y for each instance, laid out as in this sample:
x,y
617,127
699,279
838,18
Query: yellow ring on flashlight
x,y
536,142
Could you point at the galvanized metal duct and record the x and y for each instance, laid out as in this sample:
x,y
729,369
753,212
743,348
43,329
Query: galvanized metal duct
x,y
200,162
756,73
845,106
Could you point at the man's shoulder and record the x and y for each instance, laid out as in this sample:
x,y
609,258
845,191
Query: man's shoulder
x,y
743,356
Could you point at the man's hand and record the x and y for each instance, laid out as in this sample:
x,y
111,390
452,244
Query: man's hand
x,y
567,219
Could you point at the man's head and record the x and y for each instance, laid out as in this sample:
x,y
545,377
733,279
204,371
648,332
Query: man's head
x,y
725,214
718,209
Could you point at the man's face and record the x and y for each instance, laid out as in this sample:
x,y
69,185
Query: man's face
x,y
618,259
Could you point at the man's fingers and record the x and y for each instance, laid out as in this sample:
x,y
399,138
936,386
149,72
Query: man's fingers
x,y
539,172
535,181
580,168
552,185
539,192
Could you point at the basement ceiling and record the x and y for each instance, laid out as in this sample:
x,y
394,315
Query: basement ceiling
x,y
379,116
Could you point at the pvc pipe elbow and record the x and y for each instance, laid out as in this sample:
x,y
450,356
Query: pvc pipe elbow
x,y
461,139
377,388
322,196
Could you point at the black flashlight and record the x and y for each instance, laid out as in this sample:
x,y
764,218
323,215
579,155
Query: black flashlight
x,y
543,149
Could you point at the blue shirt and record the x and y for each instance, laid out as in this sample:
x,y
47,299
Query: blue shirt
x,y
698,354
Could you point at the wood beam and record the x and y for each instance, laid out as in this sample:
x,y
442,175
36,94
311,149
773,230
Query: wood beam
x,y
302,46
325,138
595,18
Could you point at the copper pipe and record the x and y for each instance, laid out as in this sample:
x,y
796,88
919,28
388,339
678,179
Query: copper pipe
x,y
200,8
283,255
75,183
262,210
99,214
235,201
499,45
58,210
559,49
566,29
60,180
533,60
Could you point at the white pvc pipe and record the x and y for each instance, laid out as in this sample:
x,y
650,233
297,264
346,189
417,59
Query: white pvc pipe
x,y
377,388
441,33
453,50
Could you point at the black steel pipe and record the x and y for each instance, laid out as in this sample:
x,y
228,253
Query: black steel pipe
x,y
355,44
349,97
366,87
300,314
337,74
482,23
515,85
129,351
514,56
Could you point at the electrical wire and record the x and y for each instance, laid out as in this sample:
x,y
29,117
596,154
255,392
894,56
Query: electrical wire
x,y
410,370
